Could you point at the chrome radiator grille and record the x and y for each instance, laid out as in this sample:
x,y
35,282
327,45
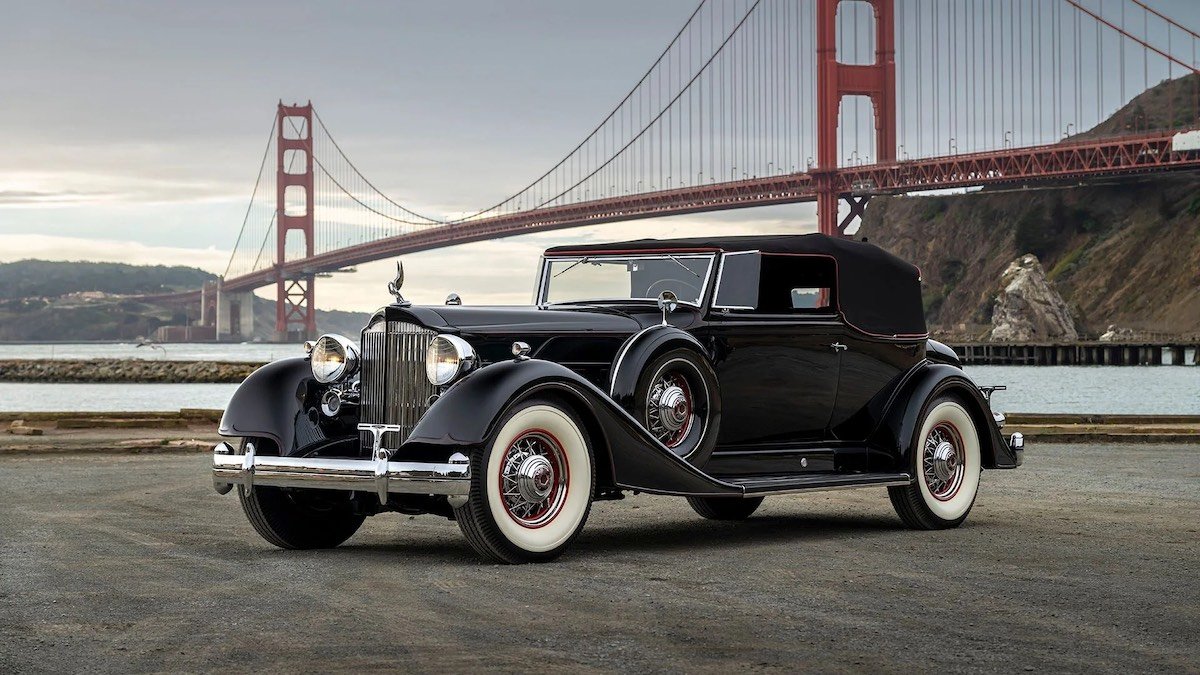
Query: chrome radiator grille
x,y
394,387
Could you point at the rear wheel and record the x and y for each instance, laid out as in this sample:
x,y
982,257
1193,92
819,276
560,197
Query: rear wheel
x,y
946,462
531,485
725,508
295,518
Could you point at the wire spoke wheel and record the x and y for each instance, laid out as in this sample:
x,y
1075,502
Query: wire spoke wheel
x,y
943,461
534,478
669,408
531,485
946,460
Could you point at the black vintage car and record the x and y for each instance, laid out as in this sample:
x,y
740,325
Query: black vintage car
x,y
722,370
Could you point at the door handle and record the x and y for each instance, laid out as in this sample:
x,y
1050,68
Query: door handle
x,y
838,347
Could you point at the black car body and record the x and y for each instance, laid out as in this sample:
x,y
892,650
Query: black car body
x,y
722,370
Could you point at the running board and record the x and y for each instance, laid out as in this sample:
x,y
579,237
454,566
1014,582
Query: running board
x,y
756,486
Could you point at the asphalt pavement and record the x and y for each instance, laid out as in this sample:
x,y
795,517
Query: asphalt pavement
x,y
1086,559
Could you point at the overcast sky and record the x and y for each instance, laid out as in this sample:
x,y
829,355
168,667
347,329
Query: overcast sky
x,y
133,131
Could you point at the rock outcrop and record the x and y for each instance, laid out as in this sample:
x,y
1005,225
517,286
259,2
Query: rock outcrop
x,y
1027,308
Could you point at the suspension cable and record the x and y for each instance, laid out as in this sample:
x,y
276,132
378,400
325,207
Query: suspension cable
x,y
254,193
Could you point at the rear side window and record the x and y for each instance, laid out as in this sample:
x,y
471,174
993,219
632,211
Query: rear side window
x,y
797,284
765,283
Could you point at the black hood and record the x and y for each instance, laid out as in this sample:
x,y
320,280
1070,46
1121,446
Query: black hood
x,y
523,320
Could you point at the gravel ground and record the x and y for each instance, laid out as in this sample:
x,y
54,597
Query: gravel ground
x,y
1085,559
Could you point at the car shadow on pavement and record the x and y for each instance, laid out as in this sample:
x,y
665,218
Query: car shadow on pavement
x,y
655,536
754,531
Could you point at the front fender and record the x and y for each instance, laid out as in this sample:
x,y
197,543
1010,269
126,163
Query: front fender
x,y
273,402
637,351
464,417
896,436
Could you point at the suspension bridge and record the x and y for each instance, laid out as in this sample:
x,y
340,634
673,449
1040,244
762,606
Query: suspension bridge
x,y
762,102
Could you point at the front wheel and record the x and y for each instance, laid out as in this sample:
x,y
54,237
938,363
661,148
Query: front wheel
x,y
294,518
531,485
946,465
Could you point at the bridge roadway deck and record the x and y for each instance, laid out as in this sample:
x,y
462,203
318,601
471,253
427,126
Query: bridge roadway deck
x,y
1079,160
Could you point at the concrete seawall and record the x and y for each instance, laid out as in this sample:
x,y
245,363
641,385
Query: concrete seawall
x,y
124,371
194,430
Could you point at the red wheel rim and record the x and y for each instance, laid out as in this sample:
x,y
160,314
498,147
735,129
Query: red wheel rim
x,y
943,461
534,478
670,409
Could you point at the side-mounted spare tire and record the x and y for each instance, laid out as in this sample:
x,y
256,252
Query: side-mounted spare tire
x,y
678,401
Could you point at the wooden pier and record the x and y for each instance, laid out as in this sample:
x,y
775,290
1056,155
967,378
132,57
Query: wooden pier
x,y
1079,353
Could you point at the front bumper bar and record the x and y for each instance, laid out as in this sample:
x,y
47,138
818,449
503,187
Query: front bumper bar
x,y
381,476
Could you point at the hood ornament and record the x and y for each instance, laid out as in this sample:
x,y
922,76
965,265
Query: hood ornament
x,y
395,284
667,302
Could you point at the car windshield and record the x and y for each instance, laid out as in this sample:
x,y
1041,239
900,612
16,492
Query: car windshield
x,y
612,277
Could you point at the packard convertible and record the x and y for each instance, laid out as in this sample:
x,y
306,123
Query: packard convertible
x,y
720,370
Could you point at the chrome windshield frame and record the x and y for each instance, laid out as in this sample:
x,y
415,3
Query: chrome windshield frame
x,y
543,283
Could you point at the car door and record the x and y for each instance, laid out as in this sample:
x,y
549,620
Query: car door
x,y
778,378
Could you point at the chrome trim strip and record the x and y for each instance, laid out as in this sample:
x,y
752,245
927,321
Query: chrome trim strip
x,y
366,475
830,488
612,376
818,488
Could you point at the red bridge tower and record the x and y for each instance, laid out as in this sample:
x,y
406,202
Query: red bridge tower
x,y
295,315
836,80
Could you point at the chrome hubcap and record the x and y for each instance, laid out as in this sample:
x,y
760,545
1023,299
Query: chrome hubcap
x,y
673,408
669,409
533,479
942,462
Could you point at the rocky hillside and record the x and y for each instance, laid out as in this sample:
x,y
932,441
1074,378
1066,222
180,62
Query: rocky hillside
x,y
79,301
1124,253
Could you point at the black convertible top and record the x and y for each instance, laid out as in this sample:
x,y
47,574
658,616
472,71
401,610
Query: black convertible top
x,y
878,293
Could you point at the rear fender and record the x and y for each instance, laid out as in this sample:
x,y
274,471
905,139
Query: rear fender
x,y
896,436
465,416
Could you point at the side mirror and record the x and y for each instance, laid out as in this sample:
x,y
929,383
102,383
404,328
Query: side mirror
x,y
453,299
667,302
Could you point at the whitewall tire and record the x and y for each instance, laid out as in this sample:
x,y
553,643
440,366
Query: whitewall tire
x,y
946,464
531,485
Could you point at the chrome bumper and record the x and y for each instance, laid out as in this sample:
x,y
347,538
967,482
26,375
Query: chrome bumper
x,y
380,475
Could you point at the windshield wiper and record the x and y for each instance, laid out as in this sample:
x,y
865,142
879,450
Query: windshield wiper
x,y
676,261
571,267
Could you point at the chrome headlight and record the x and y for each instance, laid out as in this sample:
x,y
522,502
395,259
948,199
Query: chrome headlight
x,y
447,358
334,358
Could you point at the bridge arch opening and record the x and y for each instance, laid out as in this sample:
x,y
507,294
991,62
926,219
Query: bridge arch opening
x,y
294,128
856,33
295,162
295,201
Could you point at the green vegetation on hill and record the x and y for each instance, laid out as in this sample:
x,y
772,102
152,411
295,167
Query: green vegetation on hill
x,y
39,300
1126,253
1119,252
42,278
